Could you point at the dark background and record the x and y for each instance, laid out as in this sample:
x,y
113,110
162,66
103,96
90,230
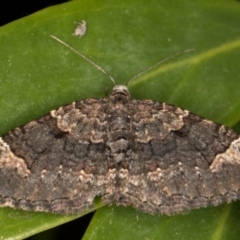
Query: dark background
x,y
10,11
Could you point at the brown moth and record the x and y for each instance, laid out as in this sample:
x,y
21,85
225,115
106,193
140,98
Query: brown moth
x,y
155,157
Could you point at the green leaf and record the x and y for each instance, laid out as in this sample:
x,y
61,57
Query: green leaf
x,y
19,224
213,223
38,74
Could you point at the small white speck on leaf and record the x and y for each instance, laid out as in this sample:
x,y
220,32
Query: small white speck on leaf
x,y
81,29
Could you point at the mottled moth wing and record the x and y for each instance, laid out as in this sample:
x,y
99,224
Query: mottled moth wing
x,y
57,162
188,162
155,157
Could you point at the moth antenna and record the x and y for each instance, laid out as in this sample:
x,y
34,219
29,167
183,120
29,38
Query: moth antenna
x,y
158,63
85,58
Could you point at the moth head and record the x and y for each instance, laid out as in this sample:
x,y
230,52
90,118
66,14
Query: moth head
x,y
120,89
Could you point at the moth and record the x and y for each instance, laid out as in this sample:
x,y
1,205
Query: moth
x,y
153,156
